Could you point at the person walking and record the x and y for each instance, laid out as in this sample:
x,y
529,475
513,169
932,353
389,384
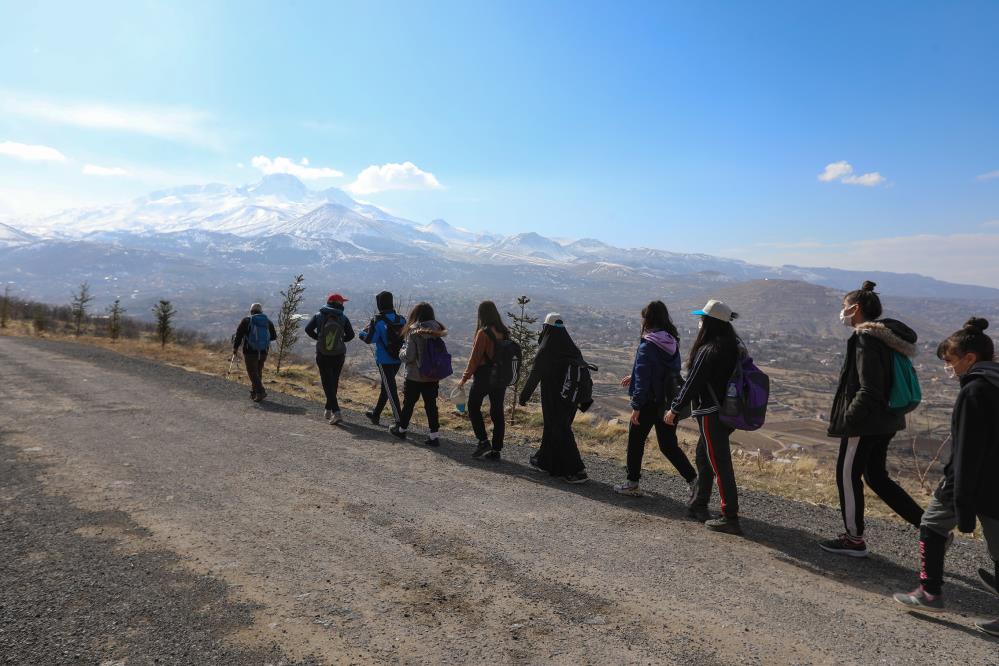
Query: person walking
x,y
254,334
385,332
968,492
331,330
420,331
489,330
653,383
710,364
863,420
559,453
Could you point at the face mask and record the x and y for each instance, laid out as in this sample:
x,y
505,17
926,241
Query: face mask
x,y
950,371
700,324
845,319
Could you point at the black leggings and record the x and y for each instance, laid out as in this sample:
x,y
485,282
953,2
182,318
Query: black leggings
x,y
390,372
411,394
862,459
330,368
481,390
651,416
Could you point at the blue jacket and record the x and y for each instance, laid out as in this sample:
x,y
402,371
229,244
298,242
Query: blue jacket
x,y
379,336
657,357
312,328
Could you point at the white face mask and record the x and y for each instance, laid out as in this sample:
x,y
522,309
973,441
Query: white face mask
x,y
700,324
950,371
845,319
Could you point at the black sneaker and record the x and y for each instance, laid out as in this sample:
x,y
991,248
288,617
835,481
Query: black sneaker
x,y
699,513
493,455
990,627
374,418
989,579
845,544
724,525
432,441
481,449
396,431
577,478
534,463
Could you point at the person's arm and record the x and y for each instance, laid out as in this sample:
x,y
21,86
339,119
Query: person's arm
x,y
871,373
533,379
477,357
972,436
380,336
270,325
696,379
348,330
241,332
641,387
310,328
409,352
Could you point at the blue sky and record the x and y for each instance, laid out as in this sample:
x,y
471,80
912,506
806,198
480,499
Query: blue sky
x,y
695,127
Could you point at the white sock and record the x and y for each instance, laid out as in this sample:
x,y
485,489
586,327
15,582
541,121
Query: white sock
x,y
433,435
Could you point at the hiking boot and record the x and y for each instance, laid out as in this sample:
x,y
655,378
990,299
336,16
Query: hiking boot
x,y
990,627
481,449
261,395
328,414
398,432
577,478
432,441
724,525
845,544
629,488
534,463
989,578
493,455
699,513
374,418
336,419
920,600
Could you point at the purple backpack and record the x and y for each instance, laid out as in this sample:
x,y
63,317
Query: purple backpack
x,y
435,364
746,397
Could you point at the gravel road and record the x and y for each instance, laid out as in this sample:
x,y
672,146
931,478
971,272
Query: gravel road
x,y
152,515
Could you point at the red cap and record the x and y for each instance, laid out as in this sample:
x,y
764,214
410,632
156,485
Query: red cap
x,y
336,298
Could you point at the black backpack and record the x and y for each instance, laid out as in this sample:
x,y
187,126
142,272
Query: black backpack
x,y
394,335
330,339
505,362
577,387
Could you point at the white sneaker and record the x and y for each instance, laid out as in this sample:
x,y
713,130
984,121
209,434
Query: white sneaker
x,y
336,418
629,488
328,415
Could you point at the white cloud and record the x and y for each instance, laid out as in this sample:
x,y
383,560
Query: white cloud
x,y
300,170
405,176
991,175
32,153
843,172
174,123
94,170
990,224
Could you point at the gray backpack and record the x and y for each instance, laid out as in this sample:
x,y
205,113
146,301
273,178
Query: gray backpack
x,y
330,340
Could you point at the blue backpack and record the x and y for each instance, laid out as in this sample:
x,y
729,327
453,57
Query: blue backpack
x,y
436,362
259,337
905,393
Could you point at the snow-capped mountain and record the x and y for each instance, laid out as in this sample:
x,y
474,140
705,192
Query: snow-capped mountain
x,y
11,236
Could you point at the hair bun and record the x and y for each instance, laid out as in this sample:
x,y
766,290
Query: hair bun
x,y
976,324
868,286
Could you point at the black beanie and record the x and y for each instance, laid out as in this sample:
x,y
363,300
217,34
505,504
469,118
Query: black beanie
x,y
384,301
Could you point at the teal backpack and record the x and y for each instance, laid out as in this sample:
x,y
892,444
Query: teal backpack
x,y
905,393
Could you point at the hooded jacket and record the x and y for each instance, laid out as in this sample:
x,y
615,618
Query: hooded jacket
x,y
655,359
378,334
415,346
315,324
556,352
860,406
973,467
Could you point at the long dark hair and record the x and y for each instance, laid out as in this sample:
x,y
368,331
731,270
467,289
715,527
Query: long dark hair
x,y
489,316
655,317
970,339
420,313
867,299
713,332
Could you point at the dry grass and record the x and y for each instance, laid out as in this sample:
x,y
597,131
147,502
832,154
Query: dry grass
x,y
804,479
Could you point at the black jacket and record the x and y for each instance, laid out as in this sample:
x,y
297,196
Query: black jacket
x,y
860,406
556,351
243,330
711,370
973,468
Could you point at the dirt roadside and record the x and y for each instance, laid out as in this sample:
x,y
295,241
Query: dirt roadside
x,y
357,549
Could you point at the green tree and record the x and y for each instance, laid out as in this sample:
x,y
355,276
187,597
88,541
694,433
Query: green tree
x,y
5,307
115,313
39,319
164,312
522,332
288,319
78,307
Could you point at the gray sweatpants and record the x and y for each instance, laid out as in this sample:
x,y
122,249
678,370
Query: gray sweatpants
x,y
942,519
